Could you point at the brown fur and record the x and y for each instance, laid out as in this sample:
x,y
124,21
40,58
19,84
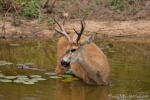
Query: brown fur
x,y
97,72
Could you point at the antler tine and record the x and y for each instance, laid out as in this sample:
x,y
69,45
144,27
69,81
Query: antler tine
x,y
62,28
81,31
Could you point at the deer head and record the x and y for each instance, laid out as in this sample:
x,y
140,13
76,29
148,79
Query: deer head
x,y
75,46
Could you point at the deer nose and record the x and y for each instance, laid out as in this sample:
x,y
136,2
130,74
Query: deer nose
x,y
65,64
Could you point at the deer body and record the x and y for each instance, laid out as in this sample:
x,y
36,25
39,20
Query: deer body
x,y
84,58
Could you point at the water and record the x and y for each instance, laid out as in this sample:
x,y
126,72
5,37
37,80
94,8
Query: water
x,y
129,64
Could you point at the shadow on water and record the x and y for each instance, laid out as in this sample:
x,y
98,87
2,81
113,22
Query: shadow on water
x,y
129,63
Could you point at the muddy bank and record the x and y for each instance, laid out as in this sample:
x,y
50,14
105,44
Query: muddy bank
x,y
31,28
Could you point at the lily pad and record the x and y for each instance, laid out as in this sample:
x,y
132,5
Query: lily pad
x,y
65,76
55,77
14,45
35,76
39,78
1,75
5,80
9,63
70,79
50,73
10,77
18,81
3,63
21,76
28,82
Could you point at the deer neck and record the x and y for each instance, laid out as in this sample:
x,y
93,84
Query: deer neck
x,y
85,61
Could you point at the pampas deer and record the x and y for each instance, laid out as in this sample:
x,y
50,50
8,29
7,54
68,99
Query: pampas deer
x,y
85,59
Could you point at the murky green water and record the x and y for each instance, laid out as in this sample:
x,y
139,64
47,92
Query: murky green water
x,y
129,63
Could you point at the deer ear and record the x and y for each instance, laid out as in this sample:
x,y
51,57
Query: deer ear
x,y
88,40
75,36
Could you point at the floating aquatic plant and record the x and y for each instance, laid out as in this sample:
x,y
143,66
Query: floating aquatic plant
x,y
9,63
55,77
28,82
70,79
10,77
18,81
1,75
5,80
39,78
65,76
21,76
3,63
36,76
50,73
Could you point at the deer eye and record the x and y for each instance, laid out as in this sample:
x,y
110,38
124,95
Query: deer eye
x,y
73,50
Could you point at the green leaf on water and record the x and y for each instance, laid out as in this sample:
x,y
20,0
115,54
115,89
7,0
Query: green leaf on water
x,y
18,81
5,80
3,63
28,82
14,45
9,63
29,64
21,76
50,73
70,79
39,78
65,76
10,77
55,77
36,76
1,75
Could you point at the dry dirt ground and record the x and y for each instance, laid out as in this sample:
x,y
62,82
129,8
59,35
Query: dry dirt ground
x,y
31,28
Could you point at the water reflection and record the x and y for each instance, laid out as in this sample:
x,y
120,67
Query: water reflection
x,y
129,63
80,91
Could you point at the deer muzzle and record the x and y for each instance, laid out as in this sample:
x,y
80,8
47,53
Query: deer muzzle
x,y
65,63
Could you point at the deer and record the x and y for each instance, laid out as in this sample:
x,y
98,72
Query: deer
x,y
85,59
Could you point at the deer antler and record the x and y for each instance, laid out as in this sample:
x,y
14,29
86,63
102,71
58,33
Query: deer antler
x,y
79,33
63,30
